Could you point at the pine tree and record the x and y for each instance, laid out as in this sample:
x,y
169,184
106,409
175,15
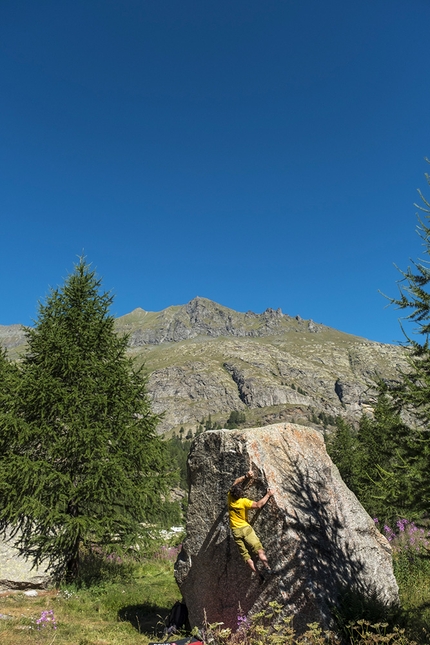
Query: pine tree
x,y
82,464
8,388
375,460
342,446
415,296
383,448
413,393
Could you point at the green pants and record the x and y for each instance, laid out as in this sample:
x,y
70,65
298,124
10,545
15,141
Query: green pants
x,y
246,538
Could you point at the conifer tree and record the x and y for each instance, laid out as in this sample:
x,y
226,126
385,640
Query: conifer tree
x,y
8,388
372,459
382,448
342,446
414,296
82,464
412,470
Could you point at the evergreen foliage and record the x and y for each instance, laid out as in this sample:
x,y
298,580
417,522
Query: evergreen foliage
x,y
383,447
342,446
378,450
8,387
235,419
390,468
178,453
413,393
81,463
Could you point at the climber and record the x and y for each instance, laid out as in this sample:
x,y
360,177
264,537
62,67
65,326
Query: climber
x,y
243,533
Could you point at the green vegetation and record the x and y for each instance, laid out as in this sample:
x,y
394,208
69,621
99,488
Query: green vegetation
x,y
271,627
366,457
115,603
122,602
80,465
178,450
236,420
386,462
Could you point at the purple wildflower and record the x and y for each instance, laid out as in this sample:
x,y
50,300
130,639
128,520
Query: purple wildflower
x,y
401,524
242,622
47,619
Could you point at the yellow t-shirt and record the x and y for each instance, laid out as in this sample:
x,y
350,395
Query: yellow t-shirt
x,y
238,511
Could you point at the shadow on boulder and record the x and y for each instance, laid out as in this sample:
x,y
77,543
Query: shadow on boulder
x,y
318,538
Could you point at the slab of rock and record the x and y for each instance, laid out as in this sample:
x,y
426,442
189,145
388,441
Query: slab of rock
x,y
317,536
17,573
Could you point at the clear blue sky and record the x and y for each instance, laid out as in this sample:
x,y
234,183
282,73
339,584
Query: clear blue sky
x,y
258,153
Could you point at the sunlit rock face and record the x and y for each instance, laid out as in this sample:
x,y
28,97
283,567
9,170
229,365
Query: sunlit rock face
x,y
17,572
318,538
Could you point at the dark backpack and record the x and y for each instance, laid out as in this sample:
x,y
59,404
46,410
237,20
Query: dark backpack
x,y
177,618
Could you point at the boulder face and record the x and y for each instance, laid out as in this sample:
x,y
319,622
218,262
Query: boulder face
x,y
17,573
318,538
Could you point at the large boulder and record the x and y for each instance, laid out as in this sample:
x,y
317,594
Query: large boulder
x,y
318,538
17,572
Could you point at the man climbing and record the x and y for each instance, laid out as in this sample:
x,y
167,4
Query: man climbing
x,y
243,533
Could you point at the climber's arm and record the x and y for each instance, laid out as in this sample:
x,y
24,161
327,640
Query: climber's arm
x,y
239,480
263,500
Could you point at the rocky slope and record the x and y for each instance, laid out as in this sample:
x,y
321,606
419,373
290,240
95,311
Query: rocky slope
x,y
203,358
12,337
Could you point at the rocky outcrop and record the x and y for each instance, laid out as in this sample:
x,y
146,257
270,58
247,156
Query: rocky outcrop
x,y
18,573
351,395
318,538
259,391
190,392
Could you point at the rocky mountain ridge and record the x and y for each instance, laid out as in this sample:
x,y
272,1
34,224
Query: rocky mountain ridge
x,y
202,317
205,359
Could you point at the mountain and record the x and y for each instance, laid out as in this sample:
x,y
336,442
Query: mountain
x,y
202,358
12,337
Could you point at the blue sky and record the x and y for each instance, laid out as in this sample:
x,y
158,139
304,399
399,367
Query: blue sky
x,y
261,154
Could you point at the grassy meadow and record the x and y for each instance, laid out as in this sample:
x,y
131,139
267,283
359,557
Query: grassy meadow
x,y
125,610
126,603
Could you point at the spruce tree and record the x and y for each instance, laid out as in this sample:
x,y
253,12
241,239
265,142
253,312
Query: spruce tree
x,y
342,446
8,388
413,392
383,448
81,463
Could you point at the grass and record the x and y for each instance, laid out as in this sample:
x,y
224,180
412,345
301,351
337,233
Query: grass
x,y
108,613
413,577
127,603
132,611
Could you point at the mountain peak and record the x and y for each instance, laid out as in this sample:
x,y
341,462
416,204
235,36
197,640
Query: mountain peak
x,y
202,317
